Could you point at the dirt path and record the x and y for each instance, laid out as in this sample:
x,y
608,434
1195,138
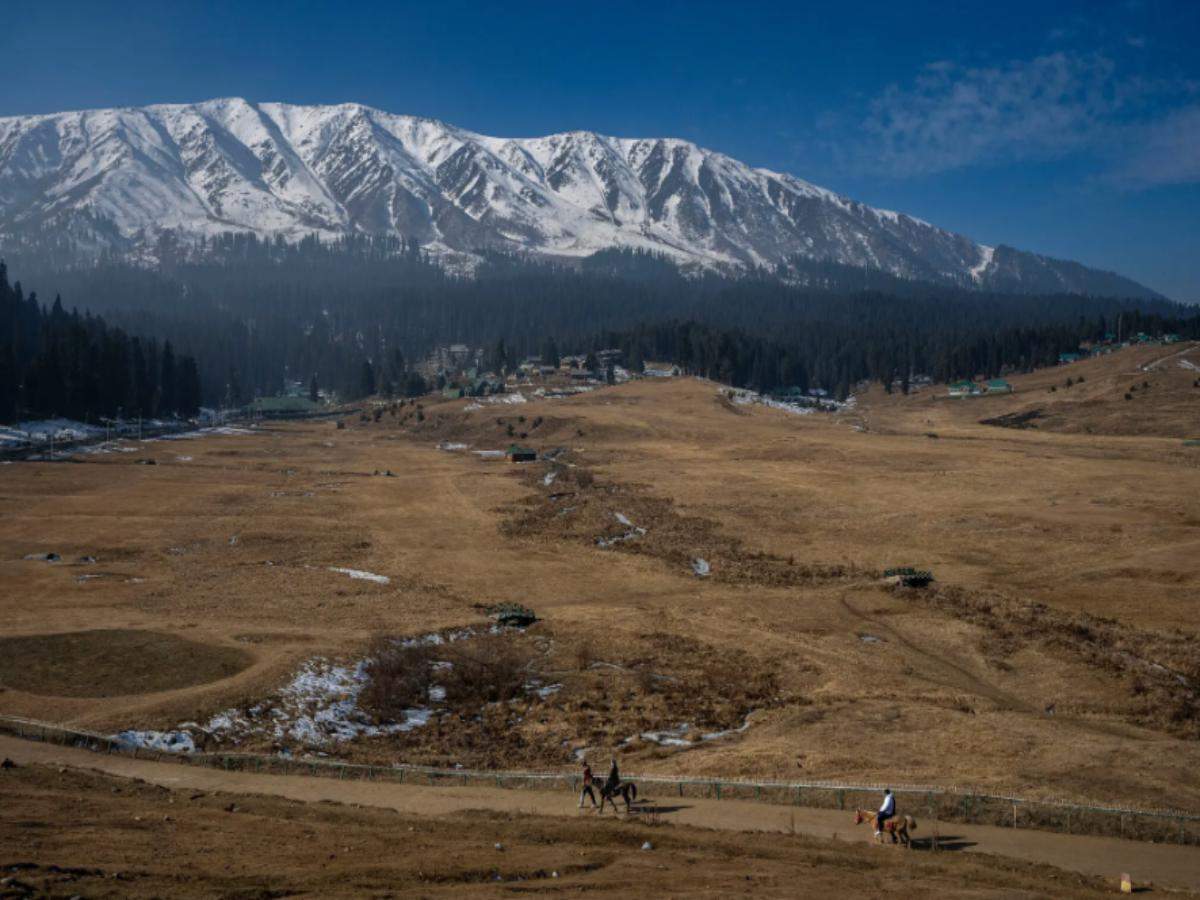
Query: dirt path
x,y
1160,864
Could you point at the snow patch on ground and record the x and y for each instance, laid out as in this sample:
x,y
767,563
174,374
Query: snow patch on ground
x,y
317,708
701,568
633,532
800,407
361,575
985,259
451,446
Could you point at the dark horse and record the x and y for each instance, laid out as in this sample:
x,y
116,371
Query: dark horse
x,y
627,790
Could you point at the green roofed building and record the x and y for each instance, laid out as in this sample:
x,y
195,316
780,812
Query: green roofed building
x,y
516,453
964,389
998,386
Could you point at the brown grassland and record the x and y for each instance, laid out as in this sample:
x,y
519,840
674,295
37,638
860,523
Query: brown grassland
x,y
1055,655
132,839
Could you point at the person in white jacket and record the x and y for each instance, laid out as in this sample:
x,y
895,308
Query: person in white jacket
x,y
886,810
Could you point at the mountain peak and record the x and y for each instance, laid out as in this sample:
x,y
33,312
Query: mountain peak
x,y
229,164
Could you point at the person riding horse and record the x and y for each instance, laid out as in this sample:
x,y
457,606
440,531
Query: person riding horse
x,y
614,779
886,810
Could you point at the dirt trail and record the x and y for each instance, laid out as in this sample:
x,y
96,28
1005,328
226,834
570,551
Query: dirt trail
x,y
1161,864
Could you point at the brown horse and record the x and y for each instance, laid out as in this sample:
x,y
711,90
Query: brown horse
x,y
898,826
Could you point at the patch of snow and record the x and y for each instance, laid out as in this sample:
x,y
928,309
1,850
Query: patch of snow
x,y
163,741
549,477
489,454
670,737
451,446
361,575
633,532
701,568
985,259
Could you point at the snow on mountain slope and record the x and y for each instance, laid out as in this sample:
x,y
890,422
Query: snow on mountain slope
x,y
120,177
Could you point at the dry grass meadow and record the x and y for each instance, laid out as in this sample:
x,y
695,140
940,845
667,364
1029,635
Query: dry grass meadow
x,y
1055,655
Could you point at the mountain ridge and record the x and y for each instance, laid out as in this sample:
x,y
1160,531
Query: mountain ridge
x,y
116,179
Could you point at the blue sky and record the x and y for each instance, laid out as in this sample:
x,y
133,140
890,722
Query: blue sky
x,y
1068,128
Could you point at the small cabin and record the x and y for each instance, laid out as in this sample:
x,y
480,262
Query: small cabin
x,y
964,389
516,453
998,386
1065,358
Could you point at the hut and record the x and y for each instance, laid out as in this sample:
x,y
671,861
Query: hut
x,y
516,453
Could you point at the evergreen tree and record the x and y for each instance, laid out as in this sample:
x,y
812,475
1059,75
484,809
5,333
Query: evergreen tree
x,y
366,380
314,390
188,393
168,383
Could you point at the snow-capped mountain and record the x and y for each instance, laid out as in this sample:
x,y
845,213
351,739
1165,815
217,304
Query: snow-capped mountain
x,y
117,178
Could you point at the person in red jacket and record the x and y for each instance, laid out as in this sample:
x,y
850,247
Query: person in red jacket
x,y
587,790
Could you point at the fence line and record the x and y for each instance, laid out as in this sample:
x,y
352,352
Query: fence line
x,y
945,804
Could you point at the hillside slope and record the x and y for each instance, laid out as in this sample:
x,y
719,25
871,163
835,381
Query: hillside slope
x,y
119,178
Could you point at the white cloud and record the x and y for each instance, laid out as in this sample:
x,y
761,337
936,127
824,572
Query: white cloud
x,y
951,117
1164,152
1052,106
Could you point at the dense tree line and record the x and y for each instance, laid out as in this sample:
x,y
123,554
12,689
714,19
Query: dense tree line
x,y
836,359
59,363
257,312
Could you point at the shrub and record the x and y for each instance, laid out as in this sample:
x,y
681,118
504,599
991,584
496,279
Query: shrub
x,y
491,668
584,478
1129,396
398,678
584,654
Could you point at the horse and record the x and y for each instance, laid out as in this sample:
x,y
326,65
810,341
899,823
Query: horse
x,y
898,826
627,790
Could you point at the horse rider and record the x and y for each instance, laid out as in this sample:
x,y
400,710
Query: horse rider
x,y
587,790
614,779
886,810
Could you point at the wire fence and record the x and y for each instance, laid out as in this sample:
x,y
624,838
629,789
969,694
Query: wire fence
x,y
934,803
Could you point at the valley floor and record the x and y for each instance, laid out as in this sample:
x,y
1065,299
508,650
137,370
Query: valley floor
x,y
1054,655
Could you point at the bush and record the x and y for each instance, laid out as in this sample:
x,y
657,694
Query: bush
x,y
1129,396
398,678
491,668
584,478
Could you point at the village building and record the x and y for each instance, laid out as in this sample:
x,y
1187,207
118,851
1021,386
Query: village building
x,y
516,453
964,389
998,386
